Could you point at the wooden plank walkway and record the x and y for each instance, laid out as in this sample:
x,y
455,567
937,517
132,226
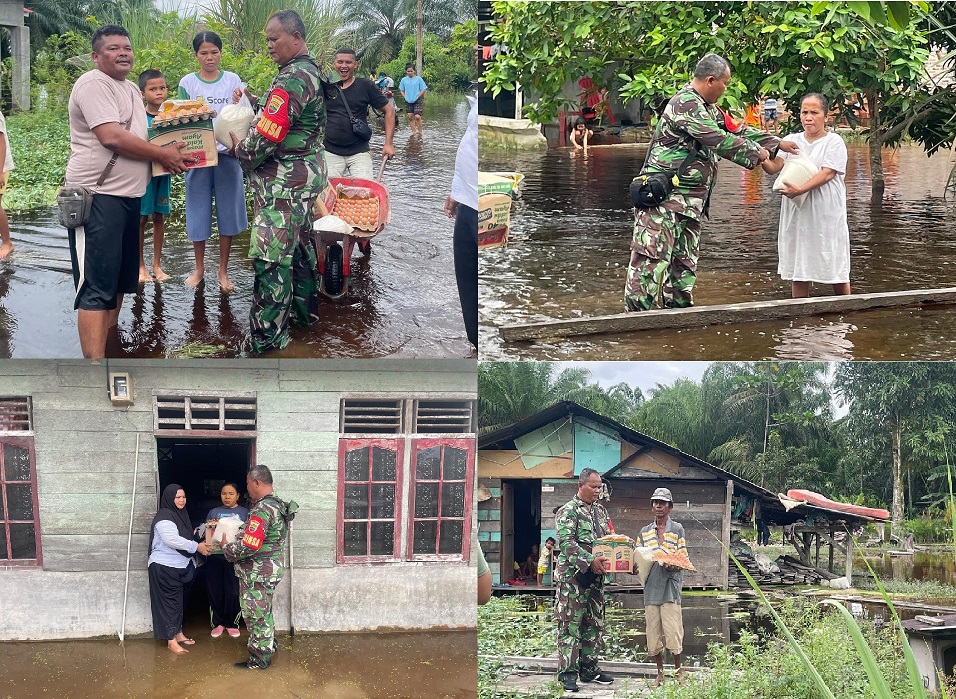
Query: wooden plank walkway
x,y
534,677
723,314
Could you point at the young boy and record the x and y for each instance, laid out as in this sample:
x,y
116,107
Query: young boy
x,y
545,558
413,90
6,245
155,201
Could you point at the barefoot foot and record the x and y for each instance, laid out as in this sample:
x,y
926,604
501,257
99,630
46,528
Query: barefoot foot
x,y
159,275
5,250
192,281
174,646
225,285
144,275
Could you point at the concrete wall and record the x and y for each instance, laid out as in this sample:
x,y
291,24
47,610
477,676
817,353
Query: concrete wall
x,y
85,459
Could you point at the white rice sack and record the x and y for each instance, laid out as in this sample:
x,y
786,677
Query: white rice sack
x,y
230,526
332,224
644,557
797,171
236,118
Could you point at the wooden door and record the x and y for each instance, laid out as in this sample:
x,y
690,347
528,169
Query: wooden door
x,y
507,531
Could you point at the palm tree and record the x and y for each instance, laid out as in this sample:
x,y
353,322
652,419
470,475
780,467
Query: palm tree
x,y
381,26
247,19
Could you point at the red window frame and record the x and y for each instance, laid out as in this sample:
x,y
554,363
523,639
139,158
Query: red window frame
x,y
345,446
27,444
418,444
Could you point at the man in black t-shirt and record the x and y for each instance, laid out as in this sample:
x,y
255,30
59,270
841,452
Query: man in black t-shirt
x,y
345,154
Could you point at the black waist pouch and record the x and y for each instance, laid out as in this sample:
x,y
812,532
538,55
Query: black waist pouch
x,y
651,189
587,578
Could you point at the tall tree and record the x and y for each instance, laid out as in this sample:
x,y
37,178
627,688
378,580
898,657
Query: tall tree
x,y
647,50
902,399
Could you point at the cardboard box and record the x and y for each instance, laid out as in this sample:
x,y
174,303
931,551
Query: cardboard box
x,y
493,239
495,184
494,211
620,556
199,139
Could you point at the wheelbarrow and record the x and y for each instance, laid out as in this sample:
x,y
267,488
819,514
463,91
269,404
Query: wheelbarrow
x,y
364,205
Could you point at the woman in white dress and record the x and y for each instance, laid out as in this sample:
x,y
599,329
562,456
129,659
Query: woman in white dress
x,y
814,240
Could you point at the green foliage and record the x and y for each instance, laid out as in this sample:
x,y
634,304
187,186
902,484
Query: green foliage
x,y
932,526
54,70
444,67
36,137
647,50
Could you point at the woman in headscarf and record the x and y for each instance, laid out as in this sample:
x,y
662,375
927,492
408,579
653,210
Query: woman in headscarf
x,y
171,568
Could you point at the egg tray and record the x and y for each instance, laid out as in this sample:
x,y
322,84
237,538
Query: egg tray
x,y
359,212
183,119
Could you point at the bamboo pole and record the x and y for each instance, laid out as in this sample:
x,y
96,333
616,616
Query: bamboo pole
x,y
129,540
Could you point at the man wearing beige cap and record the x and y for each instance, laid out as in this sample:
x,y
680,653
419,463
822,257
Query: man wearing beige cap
x,y
665,625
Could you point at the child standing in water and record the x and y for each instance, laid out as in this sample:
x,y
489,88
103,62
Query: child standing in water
x,y
224,181
155,202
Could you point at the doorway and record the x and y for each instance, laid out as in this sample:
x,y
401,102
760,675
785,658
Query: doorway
x,y
520,523
201,467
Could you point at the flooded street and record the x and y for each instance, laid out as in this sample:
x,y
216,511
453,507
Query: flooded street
x,y
403,299
569,248
320,666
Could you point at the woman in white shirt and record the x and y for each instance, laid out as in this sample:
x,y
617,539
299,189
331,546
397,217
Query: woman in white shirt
x,y
171,568
814,240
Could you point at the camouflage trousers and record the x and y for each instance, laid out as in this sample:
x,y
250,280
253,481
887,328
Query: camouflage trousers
x,y
664,253
285,264
255,599
580,617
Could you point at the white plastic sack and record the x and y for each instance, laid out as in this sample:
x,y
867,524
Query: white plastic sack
x,y
236,118
797,171
230,526
332,224
644,558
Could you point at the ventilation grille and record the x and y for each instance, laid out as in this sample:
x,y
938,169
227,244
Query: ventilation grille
x,y
444,416
209,413
371,416
16,414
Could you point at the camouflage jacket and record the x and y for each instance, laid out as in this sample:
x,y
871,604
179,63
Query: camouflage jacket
x,y
688,118
282,155
578,524
257,550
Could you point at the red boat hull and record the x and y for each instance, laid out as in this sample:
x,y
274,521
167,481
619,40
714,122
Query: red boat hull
x,y
811,498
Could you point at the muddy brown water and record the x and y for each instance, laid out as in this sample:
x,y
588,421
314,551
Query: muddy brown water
x,y
570,237
319,666
403,300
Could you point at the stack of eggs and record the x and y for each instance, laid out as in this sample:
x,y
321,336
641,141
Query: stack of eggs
x,y
176,112
361,212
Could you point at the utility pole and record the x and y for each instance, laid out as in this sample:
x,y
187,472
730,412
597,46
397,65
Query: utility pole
x,y
418,42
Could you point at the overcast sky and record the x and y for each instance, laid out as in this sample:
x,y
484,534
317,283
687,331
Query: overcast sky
x,y
644,375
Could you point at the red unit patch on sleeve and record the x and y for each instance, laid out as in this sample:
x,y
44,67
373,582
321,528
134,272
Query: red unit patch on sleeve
x,y
274,123
255,533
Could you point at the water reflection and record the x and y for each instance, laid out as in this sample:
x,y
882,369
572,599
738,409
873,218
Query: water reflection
x,y
403,299
571,233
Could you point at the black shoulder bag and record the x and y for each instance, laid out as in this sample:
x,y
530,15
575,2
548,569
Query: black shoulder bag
x,y
360,129
74,202
650,189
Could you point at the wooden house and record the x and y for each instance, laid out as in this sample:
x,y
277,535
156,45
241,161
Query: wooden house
x,y
529,469
380,457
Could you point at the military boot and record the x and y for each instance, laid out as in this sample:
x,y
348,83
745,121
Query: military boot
x,y
569,680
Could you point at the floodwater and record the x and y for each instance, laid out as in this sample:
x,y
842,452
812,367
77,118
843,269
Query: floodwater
x,y
403,299
570,240
923,565
320,666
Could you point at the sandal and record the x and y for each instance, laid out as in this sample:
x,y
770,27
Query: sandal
x,y
187,642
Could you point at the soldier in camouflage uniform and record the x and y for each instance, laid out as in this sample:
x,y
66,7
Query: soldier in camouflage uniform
x,y
282,157
666,242
257,555
579,578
